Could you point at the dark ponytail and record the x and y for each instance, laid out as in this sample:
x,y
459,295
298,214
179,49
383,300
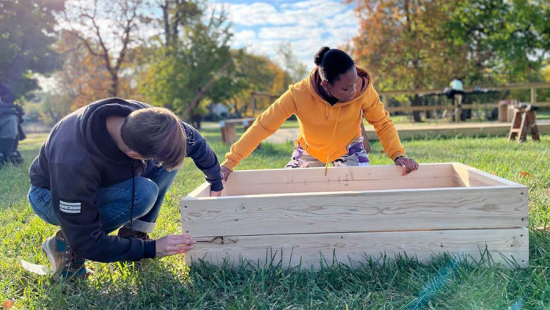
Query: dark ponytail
x,y
318,59
332,63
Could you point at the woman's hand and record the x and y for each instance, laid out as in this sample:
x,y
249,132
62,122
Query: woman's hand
x,y
225,172
408,164
215,194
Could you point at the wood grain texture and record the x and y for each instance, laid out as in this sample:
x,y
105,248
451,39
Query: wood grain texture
x,y
413,209
308,249
257,182
202,191
472,177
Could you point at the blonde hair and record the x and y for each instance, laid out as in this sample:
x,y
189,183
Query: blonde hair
x,y
156,133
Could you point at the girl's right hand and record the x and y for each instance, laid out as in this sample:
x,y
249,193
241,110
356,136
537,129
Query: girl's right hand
x,y
225,172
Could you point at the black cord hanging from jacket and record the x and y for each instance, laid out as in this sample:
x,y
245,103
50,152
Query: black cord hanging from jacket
x,y
133,198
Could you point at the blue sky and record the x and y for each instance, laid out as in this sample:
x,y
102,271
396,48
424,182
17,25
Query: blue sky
x,y
308,24
261,25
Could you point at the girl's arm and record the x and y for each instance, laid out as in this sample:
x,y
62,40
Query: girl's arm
x,y
376,115
265,125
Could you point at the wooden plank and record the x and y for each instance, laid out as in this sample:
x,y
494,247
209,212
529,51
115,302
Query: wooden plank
x,y
385,99
202,191
461,174
366,144
228,133
409,209
445,107
481,179
344,185
457,100
466,130
418,108
291,250
537,85
239,121
338,174
459,181
439,107
253,182
532,119
444,129
475,177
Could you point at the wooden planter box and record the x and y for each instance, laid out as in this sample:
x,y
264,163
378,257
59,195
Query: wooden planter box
x,y
301,215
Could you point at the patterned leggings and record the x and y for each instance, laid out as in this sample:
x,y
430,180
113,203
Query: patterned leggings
x,y
356,156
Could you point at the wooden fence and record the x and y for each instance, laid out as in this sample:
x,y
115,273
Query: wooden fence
x,y
515,86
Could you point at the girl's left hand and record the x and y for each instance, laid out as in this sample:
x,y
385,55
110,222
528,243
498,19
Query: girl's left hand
x,y
215,194
408,164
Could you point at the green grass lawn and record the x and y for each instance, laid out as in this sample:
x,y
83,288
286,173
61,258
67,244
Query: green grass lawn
x,y
168,284
399,120
543,114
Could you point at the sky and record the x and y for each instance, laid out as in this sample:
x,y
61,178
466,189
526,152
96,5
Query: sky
x,y
261,26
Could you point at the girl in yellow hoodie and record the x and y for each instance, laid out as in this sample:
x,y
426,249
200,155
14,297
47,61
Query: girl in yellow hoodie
x,y
329,105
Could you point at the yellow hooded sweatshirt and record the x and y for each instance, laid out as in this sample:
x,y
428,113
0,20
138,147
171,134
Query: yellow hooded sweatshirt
x,y
325,130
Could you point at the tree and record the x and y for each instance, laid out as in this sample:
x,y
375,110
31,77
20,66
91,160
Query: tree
x,y
295,69
509,39
176,15
27,42
55,106
404,45
107,29
425,43
250,74
84,78
182,74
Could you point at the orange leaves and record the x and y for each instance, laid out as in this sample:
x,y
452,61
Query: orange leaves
x,y
7,304
402,42
525,174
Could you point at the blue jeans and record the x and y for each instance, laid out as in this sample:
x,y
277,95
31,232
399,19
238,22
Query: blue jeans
x,y
115,202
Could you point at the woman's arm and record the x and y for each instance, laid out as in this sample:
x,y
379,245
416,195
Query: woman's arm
x,y
265,125
376,115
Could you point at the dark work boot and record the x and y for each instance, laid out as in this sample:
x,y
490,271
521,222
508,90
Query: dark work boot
x,y
64,262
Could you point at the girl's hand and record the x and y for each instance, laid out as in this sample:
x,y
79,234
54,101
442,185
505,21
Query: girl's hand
x,y
225,172
408,164
215,194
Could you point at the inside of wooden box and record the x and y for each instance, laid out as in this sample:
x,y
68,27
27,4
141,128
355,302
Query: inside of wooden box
x,y
287,181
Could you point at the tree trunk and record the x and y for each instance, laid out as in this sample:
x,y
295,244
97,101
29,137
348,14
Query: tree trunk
x,y
417,118
114,86
197,121
195,101
166,18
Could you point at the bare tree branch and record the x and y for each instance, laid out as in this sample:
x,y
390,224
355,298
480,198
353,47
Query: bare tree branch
x,y
123,14
126,39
